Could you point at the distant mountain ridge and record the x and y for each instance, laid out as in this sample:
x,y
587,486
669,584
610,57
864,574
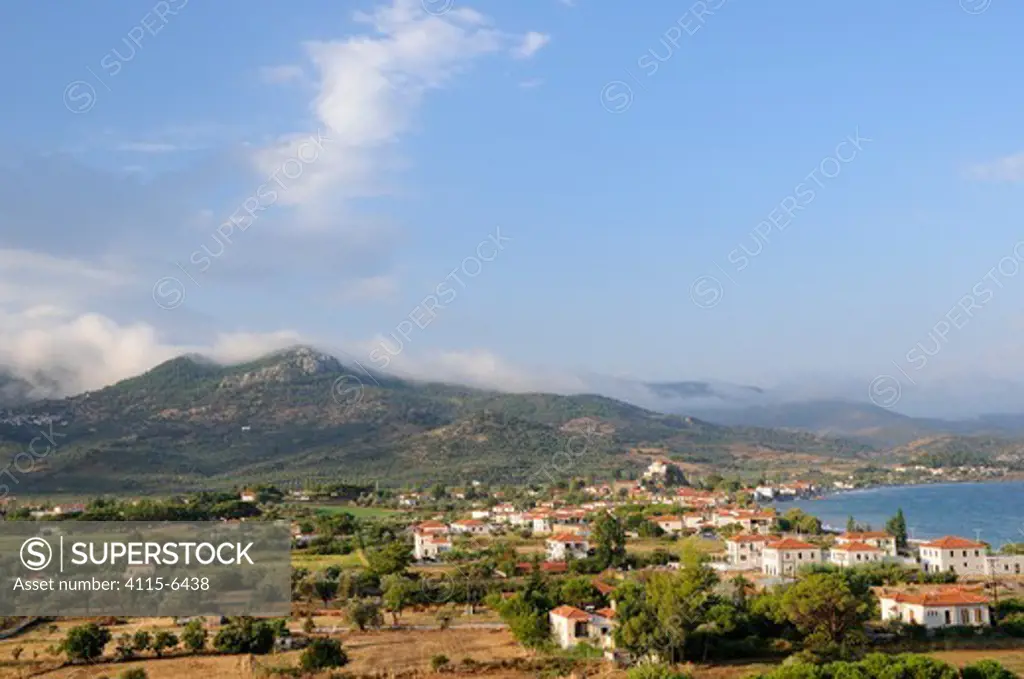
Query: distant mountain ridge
x,y
298,413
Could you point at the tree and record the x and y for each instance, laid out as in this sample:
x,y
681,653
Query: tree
x,y
142,641
659,616
364,614
194,636
851,525
398,591
163,641
527,618
326,590
245,635
322,654
444,616
579,592
897,526
309,626
393,557
85,642
824,608
610,540
125,648
16,652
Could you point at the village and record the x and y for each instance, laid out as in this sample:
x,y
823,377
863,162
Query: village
x,y
622,574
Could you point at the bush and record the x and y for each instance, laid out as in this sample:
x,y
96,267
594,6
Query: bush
x,y
245,635
194,636
85,642
986,669
438,661
134,673
655,671
323,654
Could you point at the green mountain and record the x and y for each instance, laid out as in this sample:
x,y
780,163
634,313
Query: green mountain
x,y
301,414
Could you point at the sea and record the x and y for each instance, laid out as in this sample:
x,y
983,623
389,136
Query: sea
x,y
989,512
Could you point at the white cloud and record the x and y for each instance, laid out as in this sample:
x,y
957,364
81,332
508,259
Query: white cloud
x,y
531,83
371,88
531,44
1006,169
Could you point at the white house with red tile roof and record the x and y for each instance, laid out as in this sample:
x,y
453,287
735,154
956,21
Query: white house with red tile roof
x,y
669,524
933,608
876,538
539,520
470,526
953,554
571,626
565,545
855,554
745,550
786,556
430,540
752,521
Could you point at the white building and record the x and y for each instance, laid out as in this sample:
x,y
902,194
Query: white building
x,y
430,540
943,607
745,550
786,556
855,554
670,524
470,527
571,625
1004,564
879,539
566,545
427,546
538,521
657,470
954,555
248,495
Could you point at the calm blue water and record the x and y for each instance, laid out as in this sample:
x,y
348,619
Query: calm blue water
x,y
992,512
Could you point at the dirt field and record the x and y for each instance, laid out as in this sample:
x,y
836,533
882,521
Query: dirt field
x,y
368,652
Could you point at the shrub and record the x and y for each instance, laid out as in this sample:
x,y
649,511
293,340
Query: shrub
x,y
655,671
85,642
323,654
134,673
438,662
986,669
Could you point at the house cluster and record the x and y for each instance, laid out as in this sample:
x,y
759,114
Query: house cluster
x,y
966,557
787,491
783,556
58,510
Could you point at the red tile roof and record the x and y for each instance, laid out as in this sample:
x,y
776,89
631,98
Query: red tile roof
x,y
954,542
567,537
856,547
603,587
570,612
753,538
545,566
606,613
941,597
860,536
789,543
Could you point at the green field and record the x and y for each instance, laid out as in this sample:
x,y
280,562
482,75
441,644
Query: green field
x,y
317,562
358,512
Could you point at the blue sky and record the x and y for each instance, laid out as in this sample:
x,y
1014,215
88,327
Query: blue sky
x,y
135,129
